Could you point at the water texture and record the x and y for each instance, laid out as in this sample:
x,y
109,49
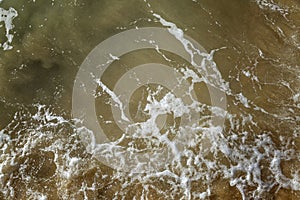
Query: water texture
x,y
206,105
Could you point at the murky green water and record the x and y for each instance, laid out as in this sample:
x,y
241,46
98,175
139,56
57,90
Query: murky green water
x,y
255,155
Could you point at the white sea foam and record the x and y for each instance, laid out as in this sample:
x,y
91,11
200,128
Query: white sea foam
x,y
207,67
244,154
7,16
271,5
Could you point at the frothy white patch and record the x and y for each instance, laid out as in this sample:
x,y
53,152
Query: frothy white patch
x,y
7,17
243,100
271,5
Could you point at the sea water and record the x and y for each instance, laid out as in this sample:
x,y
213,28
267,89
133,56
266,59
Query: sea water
x,y
142,99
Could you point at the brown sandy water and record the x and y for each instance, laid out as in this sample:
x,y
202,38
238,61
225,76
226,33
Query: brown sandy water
x,y
257,51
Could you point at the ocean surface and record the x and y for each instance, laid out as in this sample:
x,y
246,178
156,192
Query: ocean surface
x,y
144,99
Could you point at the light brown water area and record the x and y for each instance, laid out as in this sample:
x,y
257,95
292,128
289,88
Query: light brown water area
x,y
144,99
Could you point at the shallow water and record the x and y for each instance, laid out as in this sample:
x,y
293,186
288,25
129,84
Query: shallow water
x,y
231,131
